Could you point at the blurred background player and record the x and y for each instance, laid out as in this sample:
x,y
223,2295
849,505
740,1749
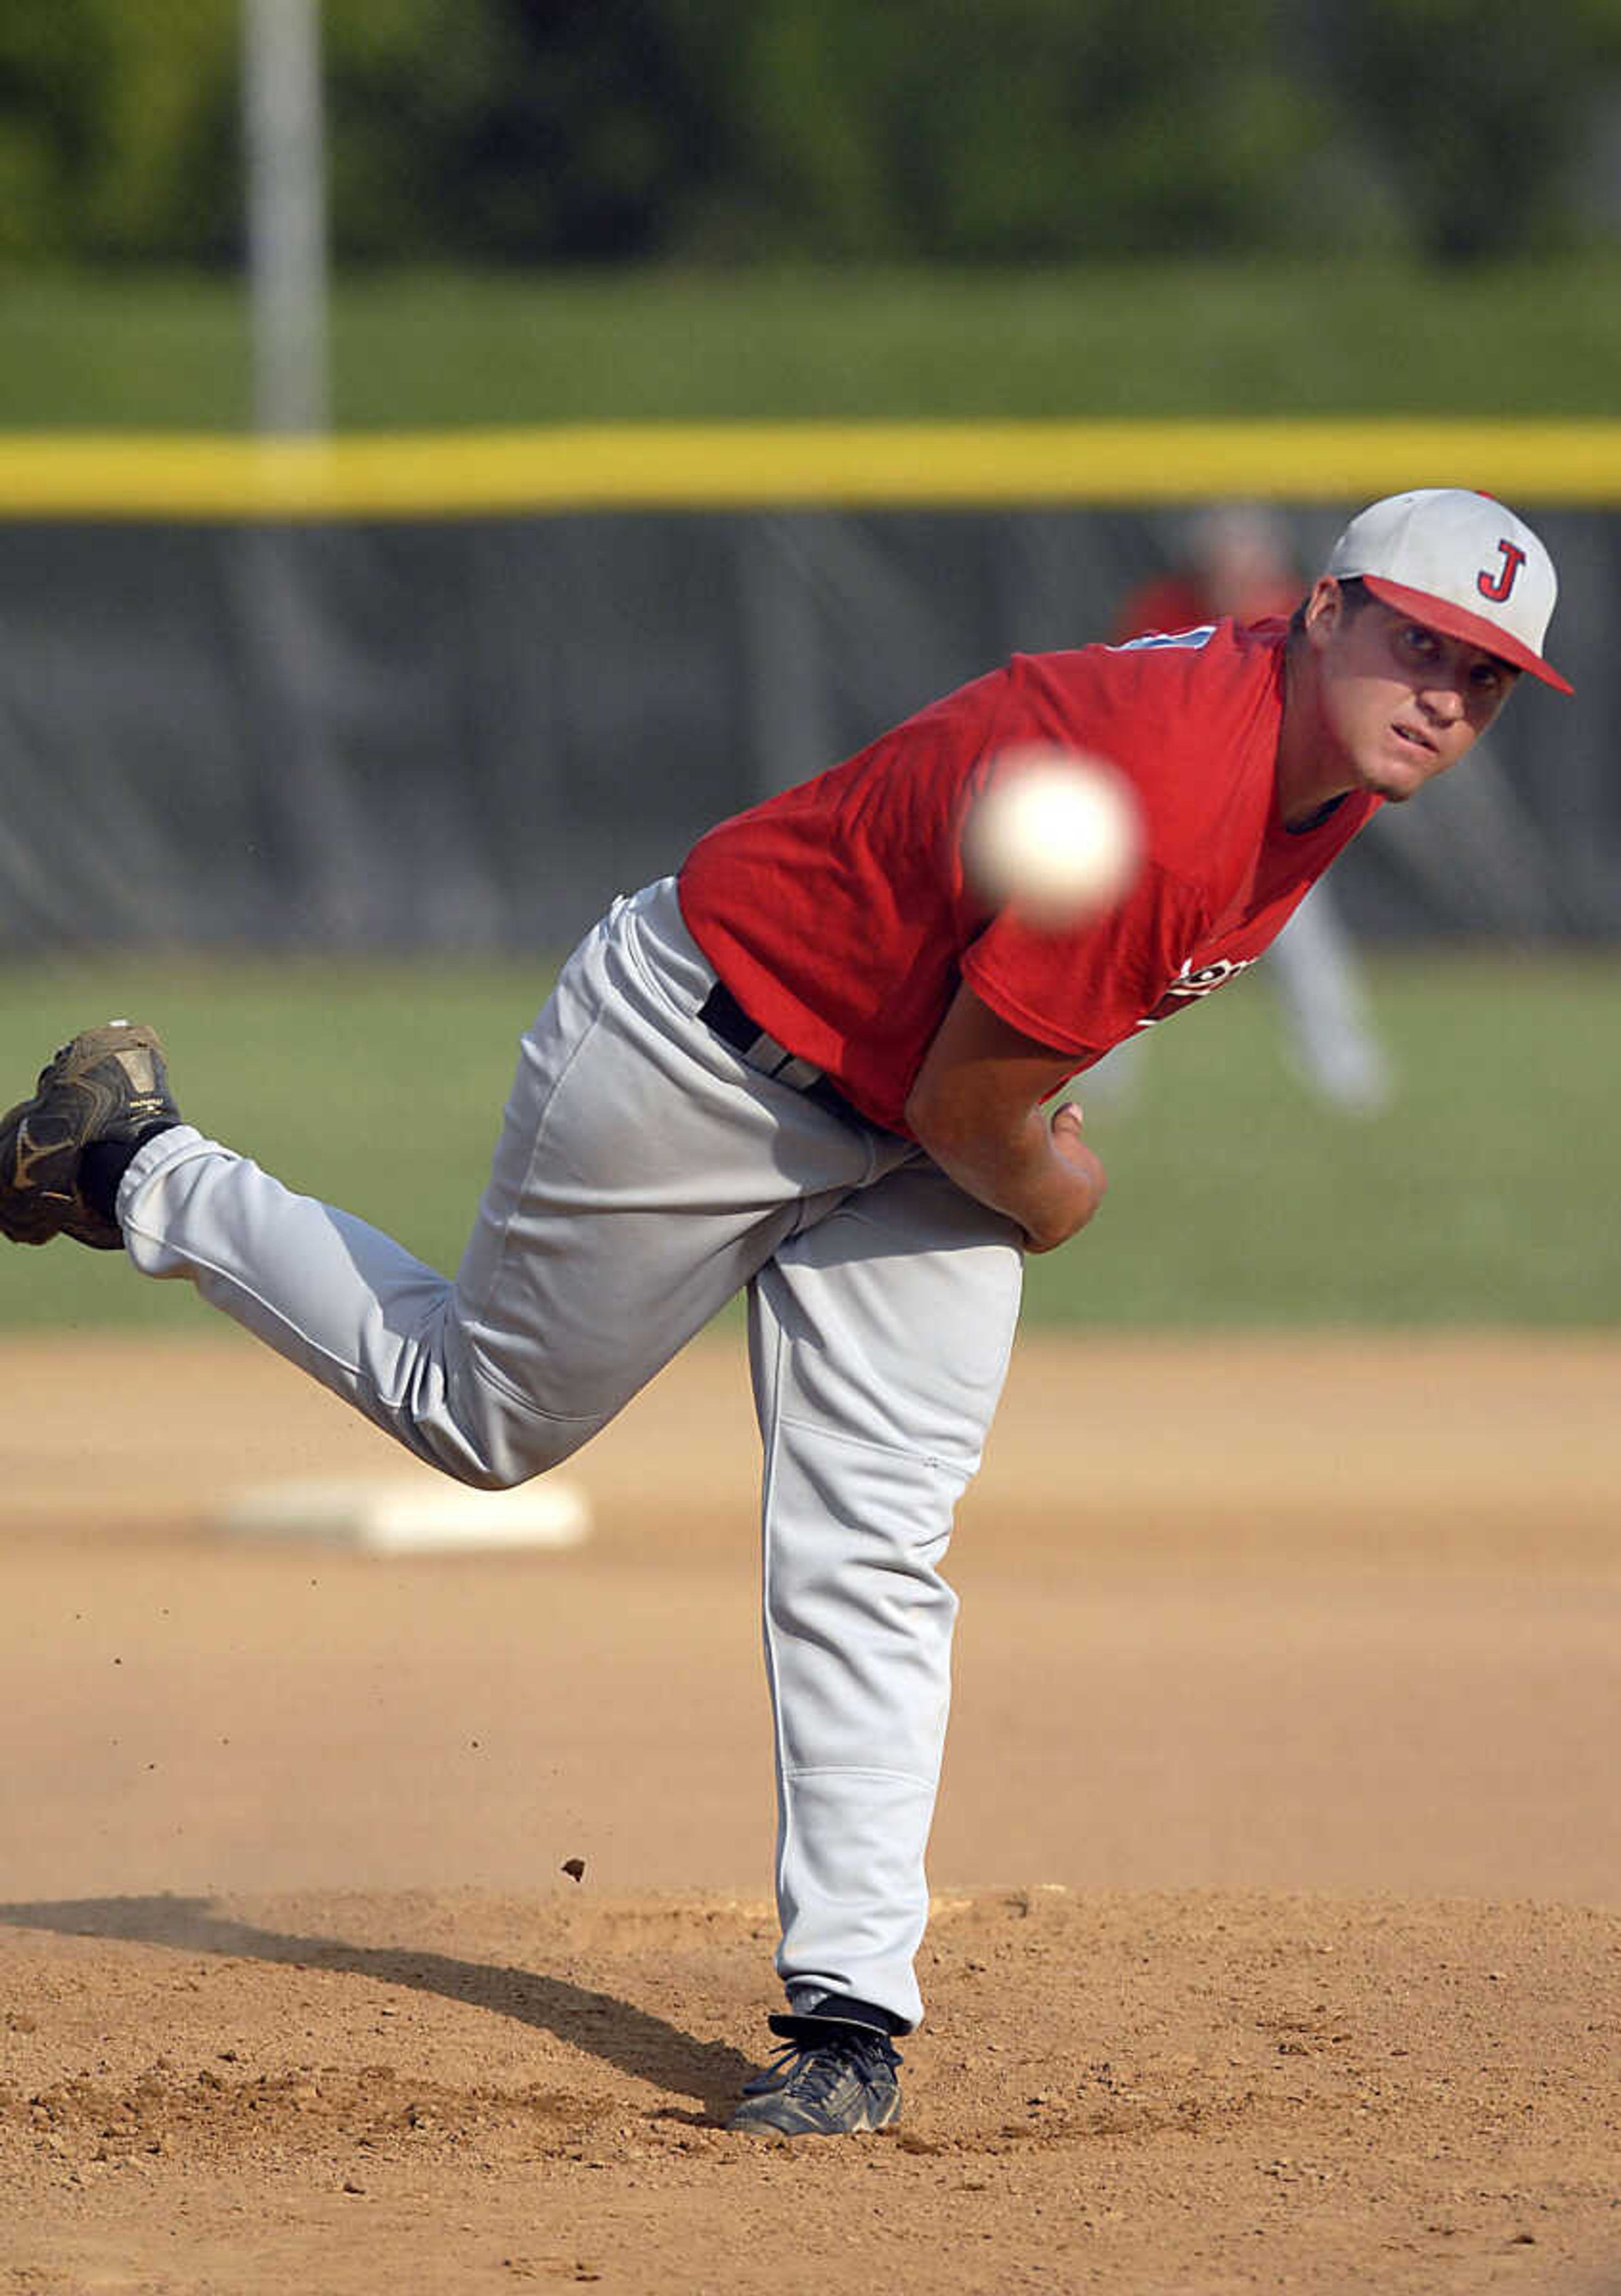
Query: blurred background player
x,y
1236,560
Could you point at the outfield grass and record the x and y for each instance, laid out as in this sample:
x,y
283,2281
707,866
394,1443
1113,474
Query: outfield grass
x,y
1484,1194
1145,339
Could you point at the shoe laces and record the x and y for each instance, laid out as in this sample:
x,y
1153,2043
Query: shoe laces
x,y
814,2070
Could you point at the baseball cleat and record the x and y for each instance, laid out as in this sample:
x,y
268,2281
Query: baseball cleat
x,y
108,1084
834,2079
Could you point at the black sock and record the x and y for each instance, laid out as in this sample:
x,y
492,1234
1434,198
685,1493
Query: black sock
x,y
852,2012
104,1164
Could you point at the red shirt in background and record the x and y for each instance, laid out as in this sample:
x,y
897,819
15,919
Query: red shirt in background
x,y
1179,602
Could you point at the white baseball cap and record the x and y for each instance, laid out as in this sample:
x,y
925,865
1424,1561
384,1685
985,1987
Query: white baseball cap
x,y
1462,563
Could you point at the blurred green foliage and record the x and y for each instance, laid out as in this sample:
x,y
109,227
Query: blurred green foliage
x,y
991,131
1473,110
118,130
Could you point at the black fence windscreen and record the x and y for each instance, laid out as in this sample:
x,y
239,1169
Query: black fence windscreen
x,y
469,734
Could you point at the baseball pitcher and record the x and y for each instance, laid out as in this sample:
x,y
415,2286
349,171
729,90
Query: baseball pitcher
x,y
813,1066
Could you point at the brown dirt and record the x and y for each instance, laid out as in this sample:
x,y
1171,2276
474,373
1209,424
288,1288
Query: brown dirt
x,y
1279,1937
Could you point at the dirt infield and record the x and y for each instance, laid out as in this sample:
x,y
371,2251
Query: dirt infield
x,y
1278,1941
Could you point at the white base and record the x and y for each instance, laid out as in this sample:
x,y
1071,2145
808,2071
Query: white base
x,y
409,1514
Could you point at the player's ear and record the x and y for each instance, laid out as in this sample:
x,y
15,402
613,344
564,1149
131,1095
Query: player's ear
x,y
1324,609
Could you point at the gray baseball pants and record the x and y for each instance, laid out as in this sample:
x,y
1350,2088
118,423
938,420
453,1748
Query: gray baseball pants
x,y
644,1174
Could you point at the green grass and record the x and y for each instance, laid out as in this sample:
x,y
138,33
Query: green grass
x,y
1170,339
1484,1194
379,1087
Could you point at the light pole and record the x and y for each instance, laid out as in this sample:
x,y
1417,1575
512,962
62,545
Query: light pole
x,y
286,213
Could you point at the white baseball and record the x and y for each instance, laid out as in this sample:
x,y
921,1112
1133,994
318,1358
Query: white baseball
x,y
1057,833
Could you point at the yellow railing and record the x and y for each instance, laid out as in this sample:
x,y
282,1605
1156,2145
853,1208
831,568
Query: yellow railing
x,y
741,466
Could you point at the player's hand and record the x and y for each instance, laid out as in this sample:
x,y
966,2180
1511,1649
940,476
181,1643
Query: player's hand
x,y
1067,1136
1069,1128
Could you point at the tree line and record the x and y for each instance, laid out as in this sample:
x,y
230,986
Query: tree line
x,y
753,131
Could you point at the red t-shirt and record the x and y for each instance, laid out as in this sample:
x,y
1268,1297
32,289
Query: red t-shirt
x,y
838,915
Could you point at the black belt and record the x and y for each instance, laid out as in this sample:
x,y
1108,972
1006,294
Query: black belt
x,y
723,1014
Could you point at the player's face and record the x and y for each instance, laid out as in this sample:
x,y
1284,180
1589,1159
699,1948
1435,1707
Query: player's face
x,y
1400,702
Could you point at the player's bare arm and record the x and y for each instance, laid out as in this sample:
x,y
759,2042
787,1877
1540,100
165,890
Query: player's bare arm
x,y
976,1106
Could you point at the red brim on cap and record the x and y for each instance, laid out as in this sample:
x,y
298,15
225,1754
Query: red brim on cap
x,y
1457,622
